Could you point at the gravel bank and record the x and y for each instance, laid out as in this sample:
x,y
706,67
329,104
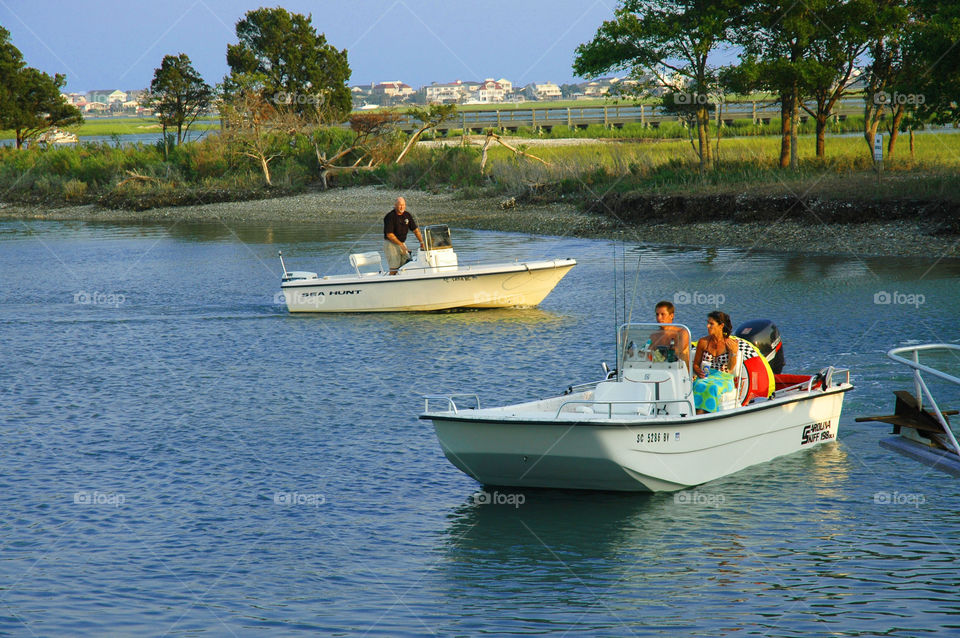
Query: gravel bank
x,y
361,204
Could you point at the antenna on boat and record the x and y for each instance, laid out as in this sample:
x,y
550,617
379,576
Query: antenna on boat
x,y
636,280
280,254
616,308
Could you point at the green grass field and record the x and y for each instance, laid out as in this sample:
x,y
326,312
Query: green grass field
x,y
121,126
744,164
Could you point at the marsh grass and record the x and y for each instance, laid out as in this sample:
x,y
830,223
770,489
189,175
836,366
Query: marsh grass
x,y
743,165
139,176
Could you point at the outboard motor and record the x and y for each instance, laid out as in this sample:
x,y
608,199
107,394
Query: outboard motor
x,y
763,333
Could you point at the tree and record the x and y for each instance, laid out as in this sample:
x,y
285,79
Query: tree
x,y
30,101
569,90
670,40
890,21
776,36
252,125
842,36
932,85
295,63
178,94
431,117
37,105
11,63
375,139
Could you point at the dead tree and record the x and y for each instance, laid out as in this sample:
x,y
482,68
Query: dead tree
x,y
493,137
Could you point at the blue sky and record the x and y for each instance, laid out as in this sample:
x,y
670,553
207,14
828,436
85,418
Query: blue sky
x,y
107,44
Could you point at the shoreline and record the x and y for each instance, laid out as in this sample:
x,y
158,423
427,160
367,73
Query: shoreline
x,y
367,204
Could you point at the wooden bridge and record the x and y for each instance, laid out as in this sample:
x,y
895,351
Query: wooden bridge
x,y
614,116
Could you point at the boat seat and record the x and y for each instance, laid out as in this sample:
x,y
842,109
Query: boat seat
x,y
358,260
618,391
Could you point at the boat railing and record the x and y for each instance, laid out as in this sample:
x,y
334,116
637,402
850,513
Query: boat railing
x,y
468,265
828,378
610,404
581,387
921,390
450,400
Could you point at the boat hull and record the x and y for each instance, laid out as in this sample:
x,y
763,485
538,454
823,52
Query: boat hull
x,y
648,455
518,284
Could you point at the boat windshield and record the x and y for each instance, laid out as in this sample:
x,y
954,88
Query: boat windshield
x,y
652,342
437,237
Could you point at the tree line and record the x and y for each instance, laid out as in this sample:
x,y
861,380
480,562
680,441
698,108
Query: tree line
x,y
30,100
804,53
286,86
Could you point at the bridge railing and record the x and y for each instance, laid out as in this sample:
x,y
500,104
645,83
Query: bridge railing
x,y
546,117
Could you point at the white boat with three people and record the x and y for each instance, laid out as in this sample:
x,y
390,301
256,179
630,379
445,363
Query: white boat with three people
x,y
637,429
434,279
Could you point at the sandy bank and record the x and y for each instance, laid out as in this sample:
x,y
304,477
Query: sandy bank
x,y
359,205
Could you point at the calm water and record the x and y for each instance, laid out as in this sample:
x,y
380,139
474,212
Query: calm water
x,y
182,457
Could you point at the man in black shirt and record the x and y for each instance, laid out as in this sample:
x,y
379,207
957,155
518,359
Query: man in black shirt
x,y
396,223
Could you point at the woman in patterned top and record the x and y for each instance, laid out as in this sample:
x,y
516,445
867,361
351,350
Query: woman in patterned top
x,y
715,360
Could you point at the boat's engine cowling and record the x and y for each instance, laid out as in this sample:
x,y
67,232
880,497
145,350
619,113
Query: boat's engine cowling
x,y
763,333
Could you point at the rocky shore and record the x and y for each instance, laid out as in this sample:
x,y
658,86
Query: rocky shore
x,y
808,229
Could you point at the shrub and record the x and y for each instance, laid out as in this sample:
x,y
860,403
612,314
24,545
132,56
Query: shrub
x,y
74,190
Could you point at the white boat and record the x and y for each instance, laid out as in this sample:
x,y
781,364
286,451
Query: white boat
x,y
920,433
57,136
433,280
636,430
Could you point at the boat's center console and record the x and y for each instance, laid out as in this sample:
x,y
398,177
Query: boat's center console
x,y
432,261
652,354
438,255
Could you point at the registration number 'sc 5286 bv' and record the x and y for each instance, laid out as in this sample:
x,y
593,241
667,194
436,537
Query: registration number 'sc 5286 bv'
x,y
653,437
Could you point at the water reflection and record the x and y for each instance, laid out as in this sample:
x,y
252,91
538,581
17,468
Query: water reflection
x,y
438,323
520,526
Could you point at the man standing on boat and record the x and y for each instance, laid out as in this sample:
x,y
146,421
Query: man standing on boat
x,y
396,224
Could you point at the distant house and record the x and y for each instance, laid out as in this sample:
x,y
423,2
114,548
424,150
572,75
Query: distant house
x,y
77,99
489,91
389,93
858,80
452,92
599,87
545,91
393,89
95,107
135,95
107,96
